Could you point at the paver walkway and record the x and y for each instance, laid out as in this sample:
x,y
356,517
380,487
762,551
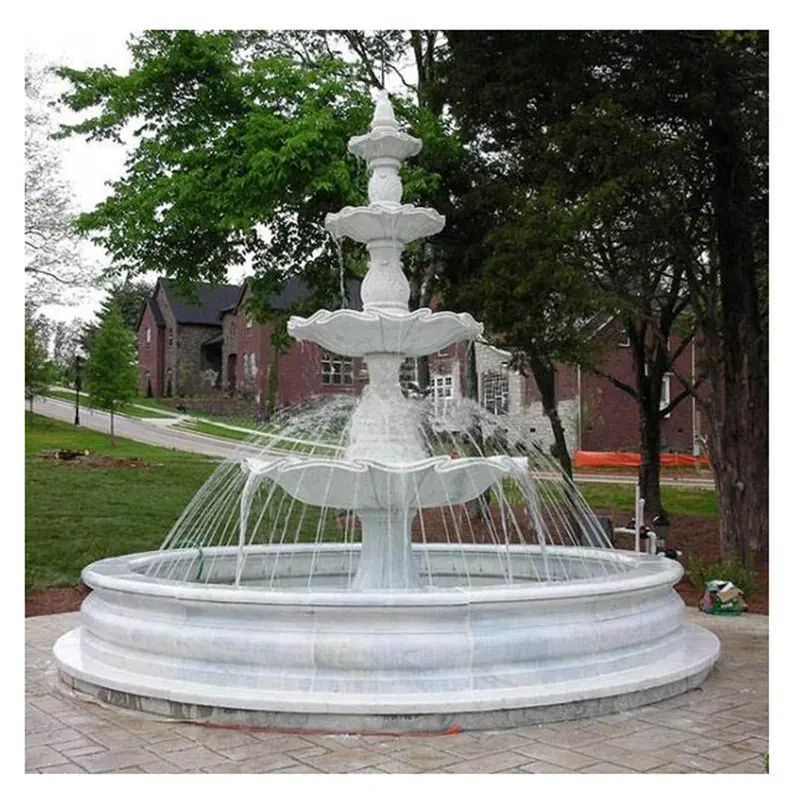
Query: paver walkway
x,y
721,727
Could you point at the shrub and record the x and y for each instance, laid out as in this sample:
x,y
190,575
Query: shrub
x,y
699,573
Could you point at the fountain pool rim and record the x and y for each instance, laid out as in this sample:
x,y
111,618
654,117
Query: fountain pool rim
x,y
641,572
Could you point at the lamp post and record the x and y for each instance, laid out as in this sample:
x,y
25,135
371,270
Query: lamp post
x,y
78,362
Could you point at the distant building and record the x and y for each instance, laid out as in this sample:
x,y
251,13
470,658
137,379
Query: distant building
x,y
217,346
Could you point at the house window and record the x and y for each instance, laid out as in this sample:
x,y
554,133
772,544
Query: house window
x,y
250,368
624,339
336,369
248,318
171,337
665,396
147,336
444,352
442,393
494,393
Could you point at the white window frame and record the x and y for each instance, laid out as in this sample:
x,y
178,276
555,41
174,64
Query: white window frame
x,y
443,393
336,370
665,393
499,384
147,335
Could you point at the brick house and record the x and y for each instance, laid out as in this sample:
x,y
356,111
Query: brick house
x,y
248,356
178,341
222,336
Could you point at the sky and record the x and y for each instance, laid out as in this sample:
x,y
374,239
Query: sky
x,y
88,167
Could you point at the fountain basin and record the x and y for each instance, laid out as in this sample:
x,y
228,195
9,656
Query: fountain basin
x,y
314,654
414,333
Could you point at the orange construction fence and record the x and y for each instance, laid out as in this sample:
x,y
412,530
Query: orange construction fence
x,y
586,458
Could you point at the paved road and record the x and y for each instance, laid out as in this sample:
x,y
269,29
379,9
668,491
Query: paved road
x,y
149,431
159,431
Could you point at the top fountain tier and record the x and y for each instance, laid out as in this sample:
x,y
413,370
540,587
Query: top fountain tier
x,y
384,149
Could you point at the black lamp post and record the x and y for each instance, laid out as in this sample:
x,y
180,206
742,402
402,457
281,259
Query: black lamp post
x,y
78,362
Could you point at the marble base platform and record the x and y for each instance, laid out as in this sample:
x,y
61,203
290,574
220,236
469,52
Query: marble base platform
x,y
489,655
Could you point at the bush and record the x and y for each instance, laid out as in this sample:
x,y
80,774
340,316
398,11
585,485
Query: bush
x,y
744,578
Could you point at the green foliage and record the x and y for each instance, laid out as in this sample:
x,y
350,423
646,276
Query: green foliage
x,y
129,296
111,371
699,573
38,370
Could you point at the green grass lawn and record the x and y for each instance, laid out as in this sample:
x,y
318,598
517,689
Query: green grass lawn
x,y
77,514
208,428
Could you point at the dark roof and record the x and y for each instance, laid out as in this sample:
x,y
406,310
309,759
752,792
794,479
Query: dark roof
x,y
215,339
205,308
155,312
295,290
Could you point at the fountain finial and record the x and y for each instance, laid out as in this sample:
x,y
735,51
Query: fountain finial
x,y
384,113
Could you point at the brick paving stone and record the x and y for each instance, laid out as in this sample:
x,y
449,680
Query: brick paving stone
x,y
54,736
170,745
647,740
42,756
115,738
84,750
195,757
494,762
217,737
60,769
756,744
556,755
729,754
344,760
426,758
113,760
543,767
693,761
299,768
243,752
754,765
483,745
266,762
398,767
570,738
607,751
606,768
160,767
671,768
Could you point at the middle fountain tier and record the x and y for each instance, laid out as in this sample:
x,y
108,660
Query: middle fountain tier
x,y
386,473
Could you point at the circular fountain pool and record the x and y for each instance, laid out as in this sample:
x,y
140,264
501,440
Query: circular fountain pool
x,y
491,654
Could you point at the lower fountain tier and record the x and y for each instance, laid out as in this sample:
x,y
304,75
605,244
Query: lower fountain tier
x,y
474,657
370,485
356,333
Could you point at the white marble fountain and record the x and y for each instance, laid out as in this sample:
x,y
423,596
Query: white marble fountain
x,y
365,579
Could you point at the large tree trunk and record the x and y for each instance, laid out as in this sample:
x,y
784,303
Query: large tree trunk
x,y
545,375
650,452
739,441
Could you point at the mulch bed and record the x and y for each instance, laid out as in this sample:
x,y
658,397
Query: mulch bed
x,y
87,459
698,536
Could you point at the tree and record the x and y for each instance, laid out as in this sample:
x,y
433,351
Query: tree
x,y
111,371
655,142
54,267
67,341
243,152
37,367
126,294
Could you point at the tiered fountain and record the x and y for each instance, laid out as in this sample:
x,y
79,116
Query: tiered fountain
x,y
372,626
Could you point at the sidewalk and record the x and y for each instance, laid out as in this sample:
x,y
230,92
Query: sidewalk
x,y
721,727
